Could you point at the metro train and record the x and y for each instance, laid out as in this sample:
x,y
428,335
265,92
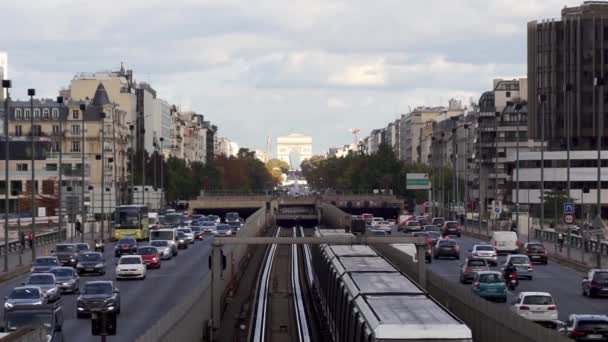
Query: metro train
x,y
364,298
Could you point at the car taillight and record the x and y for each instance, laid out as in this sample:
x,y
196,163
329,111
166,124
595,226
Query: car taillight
x,y
494,243
476,285
517,243
523,307
552,307
576,333
594,284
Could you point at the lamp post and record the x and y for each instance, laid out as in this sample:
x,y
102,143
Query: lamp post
x,y
442,157
598,82
466,175
60,145
31,93
162,180
455,166
541,99
131,128
83,107
102,116
496,203
479,171
17,194
518,111
6,84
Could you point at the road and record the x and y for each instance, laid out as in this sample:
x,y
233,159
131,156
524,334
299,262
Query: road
x,y
562,282
143,302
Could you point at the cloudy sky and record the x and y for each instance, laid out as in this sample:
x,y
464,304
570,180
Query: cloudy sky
x,y
273,67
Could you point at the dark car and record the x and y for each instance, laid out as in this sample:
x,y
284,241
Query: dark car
x,y
446,248
125,246
82,247
431,228
586,328
433,237
595,283
235,225
47,316
98,296
181,240
44,264
66,253
67,279
451,228
536,252
470,267
91,263
438,221
150,256
197,231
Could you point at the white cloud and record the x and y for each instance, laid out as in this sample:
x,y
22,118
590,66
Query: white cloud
x,y
336,103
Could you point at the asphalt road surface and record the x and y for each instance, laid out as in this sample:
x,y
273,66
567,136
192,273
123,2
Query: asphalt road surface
x,y
143,302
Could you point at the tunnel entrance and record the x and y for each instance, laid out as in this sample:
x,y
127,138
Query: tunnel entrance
x,y
244,213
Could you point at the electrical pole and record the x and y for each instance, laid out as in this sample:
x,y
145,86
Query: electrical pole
x,y
31,93
60,145
83,107
6,84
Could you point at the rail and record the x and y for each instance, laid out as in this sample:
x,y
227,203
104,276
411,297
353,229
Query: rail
x,y
578,242
261,301
14,246
298,301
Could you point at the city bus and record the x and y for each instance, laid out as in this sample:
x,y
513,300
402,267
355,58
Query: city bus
x,y
131,221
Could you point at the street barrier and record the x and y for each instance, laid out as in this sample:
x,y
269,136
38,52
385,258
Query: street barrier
x,y
40,240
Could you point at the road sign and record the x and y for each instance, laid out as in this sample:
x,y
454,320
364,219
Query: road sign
x,y
568,208
417,181
568,218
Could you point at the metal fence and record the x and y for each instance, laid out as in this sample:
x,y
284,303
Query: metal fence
x,y
590,245
40,240
189,319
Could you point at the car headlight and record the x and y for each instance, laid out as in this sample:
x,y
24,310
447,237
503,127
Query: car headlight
x,y
36,303
99,265
72,259
79,265
8,305
66,284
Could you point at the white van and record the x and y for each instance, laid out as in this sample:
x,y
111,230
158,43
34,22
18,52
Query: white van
x,y
505,242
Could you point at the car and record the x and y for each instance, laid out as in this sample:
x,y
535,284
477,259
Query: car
x,y
375,220
197,231
223,230
377,232
47,317
181,240
431,228
522,263
470,267
536,306
438,221
382,227
487,252
82,247
451,228
411,226
66,253
536,252
433,237
214,218
98,296
67,279
505,242
150,255
44,264
490,285
131,266
208,227
188,232
91,263
164,248
24,295
232,217
586,328
47,283
446,248
125,246
197,217
423,220
595,283
235,226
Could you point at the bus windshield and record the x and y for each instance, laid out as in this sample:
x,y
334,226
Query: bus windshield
x,y
172,219
128,218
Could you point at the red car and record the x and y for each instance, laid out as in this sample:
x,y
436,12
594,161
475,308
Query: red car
x,y
452,228
150,256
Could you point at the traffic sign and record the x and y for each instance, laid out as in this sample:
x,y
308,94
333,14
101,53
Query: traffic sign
x,y
568,208
568,218
417,181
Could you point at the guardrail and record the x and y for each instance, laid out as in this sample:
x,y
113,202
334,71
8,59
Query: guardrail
x,y
589,245
41,239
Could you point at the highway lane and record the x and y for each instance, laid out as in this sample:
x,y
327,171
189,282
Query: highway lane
x,y
143,301
562,282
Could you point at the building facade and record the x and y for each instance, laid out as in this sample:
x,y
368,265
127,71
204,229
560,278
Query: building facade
x,y
294,149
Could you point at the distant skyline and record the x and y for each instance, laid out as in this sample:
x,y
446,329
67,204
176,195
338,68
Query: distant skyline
x,y
317,67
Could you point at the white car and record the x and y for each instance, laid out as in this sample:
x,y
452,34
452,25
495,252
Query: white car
x,y
384,226
376,220
536,306
130,266
487,252
189,234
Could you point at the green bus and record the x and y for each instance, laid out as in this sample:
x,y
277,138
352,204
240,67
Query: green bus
x,y
131,221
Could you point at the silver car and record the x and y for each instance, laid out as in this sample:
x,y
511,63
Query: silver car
x,y
189,234
25,295
487,252
67,279
47,283
522,263
164,248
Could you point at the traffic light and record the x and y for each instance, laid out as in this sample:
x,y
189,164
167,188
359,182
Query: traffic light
x,y
103,323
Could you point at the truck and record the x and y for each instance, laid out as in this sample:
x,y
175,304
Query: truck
x,y
49,316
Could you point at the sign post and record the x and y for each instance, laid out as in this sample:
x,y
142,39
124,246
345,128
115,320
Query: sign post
x,y
417,181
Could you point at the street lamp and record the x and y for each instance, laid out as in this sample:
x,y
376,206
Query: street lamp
x,y
466,178
162,180
132,191
542,98
518,111
83,108
102,116
599,82
60,145
31,93
6,84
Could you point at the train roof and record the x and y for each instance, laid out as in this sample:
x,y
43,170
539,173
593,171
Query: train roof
x,y
352,250
381,283
419,316
365,264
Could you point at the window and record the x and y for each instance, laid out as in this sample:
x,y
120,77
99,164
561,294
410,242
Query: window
x,y
75,129
27,113
508,94
18,132
22,167
36,130
55,129
55,113
18,114
51,167
75,114
36,113
16,186
75,146
45,113
55,147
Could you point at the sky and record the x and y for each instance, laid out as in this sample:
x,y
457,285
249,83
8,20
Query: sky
x,y
260,68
